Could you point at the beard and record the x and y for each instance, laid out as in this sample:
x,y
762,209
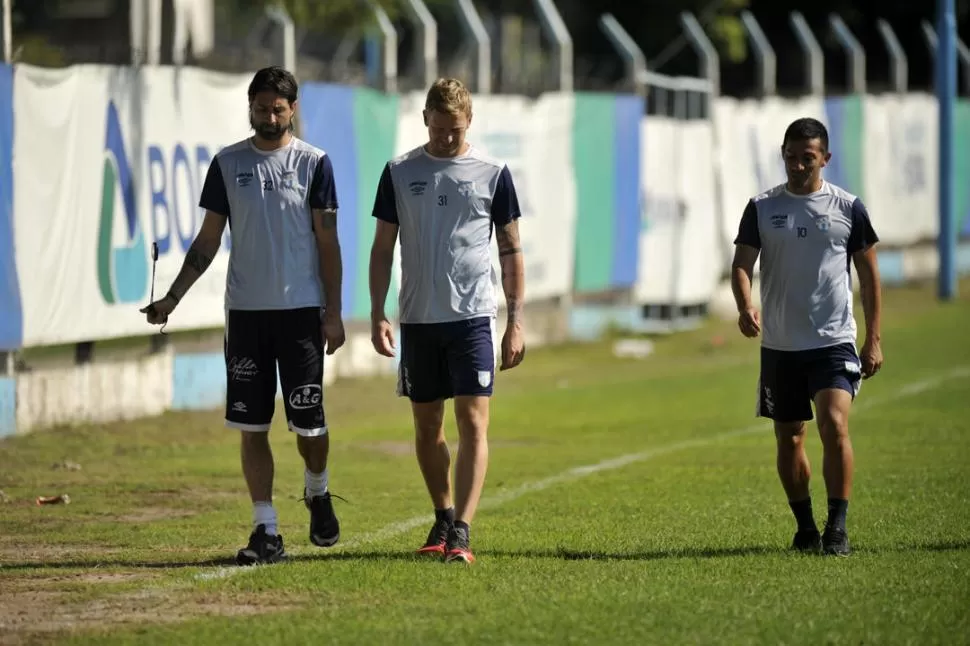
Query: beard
x,y
268,131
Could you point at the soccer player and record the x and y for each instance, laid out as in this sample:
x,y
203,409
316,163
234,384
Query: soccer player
x,y
807,231
445,199
277,194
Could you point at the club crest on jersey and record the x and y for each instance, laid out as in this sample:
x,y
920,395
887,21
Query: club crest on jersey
x,y
288,180
466,188
823,223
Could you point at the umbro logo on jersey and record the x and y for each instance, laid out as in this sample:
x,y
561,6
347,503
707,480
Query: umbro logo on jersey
x,y
244,179
417,188
782,221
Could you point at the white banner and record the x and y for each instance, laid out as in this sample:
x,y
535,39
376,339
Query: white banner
x,y
534,137
749,133
107,160
900,166
680,255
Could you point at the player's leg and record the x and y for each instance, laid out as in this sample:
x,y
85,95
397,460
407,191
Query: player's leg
x,y
299,350
422,378
783,397
250,395
835,378
471,362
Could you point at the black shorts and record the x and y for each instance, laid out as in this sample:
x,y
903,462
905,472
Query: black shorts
x,y
790,380
443,360
256,341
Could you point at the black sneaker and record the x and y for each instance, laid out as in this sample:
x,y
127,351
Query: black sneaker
x,y
807,540
324,527
437,538
456,548
835,542
262,549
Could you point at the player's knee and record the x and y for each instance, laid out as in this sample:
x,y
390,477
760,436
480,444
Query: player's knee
x,y
471,413
255,441
428,421
790,434
833,424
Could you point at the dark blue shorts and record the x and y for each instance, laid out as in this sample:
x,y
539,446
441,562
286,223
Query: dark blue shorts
x,y
443,360
790,380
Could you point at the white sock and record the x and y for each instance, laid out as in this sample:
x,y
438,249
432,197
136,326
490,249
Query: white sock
x,y
264,514
316,483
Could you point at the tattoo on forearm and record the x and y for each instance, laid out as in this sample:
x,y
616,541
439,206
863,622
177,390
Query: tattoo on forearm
x,y
328,218
197,260
508,239
515,309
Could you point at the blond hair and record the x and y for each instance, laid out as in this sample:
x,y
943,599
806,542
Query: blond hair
x,y
449,96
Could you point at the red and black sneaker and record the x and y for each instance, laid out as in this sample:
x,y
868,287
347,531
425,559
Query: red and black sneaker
x,y
456,549
437,538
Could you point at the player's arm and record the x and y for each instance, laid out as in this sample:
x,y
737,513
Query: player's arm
x,y
328,252
862,246
323,217
382,249
200,254
747,247
742,273
323,213
513,269
215,200
505,216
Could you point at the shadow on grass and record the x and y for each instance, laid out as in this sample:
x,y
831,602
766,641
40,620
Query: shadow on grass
x,y
561,553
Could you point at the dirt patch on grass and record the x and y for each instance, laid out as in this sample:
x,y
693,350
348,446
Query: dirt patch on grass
x,y
152,514
45,582
38,609
39,553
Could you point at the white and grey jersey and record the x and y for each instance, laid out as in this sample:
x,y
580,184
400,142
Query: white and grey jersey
x,y
446,210
806,244
267,197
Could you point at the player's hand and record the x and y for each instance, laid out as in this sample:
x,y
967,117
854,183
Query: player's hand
x,y
333,331
749,322
382,337
513,346
157,312
871,357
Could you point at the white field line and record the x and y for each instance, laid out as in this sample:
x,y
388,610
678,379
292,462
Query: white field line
x,y
577,473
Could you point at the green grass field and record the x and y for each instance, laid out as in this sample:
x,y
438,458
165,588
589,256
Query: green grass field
x,y
628,501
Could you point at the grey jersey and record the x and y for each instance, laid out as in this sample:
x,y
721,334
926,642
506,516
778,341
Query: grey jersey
x,y
446,210
806,244
267,196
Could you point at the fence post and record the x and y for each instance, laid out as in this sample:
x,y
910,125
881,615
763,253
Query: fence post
x,y
814,57
900,64
626,47
854,52
767,62
555,28
427,31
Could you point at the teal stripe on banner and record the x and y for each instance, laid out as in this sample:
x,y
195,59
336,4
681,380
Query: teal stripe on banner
x,y
961,118
375,130
593,158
